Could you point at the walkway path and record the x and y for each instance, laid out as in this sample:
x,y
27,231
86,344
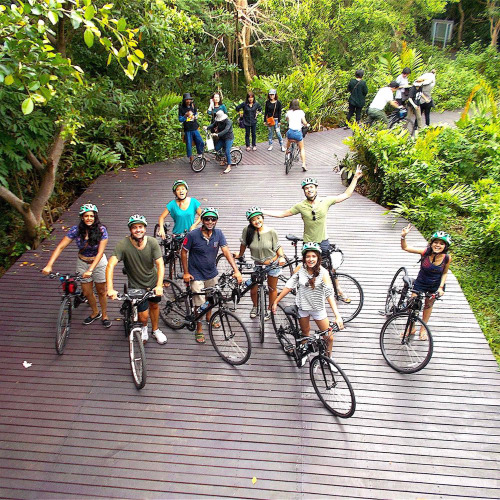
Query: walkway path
x,y
74,425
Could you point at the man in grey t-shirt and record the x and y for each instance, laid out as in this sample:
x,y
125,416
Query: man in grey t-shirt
x,y
143,261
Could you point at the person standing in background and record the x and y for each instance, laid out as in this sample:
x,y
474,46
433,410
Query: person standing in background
x,y
249,109
404,85
215,105
358,90
428,83
272,118
188,115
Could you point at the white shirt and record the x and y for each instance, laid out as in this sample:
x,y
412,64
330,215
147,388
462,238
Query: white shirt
x,y
383,97
295,119
403,81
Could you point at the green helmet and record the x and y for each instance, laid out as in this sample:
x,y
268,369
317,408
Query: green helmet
x,y
441,235
88,207
311,245
210,211
137,219
309,180
178,183
253,211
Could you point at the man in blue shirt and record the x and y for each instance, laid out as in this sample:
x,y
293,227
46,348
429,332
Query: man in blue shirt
x,y
203,246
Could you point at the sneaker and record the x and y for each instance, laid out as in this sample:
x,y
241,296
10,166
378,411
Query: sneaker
x,y
283,149
267,316
89,319
248,148
160,337
303,360
270,148
255,148
106,323
253,312
144,334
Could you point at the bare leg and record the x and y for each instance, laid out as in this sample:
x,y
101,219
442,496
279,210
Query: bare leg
x,y
428,305
143,317
324,324
302,154
154,311
253,295
304,326
272,283
88,291
103,300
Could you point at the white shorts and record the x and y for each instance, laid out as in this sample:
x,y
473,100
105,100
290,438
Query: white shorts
x,y
198,285
316,315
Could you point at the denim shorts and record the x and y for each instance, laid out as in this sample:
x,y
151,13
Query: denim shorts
x,y
144,306
294,135
273,272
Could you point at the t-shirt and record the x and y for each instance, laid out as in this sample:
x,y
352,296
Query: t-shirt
x,y
382,98
314,224
415,94
183,219
402,81
264,245
295,119
85,249
309,298
203,252
140,264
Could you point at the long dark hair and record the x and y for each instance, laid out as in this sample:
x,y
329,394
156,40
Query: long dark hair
x,y
294,105
275,95
250,94
220,97
94,231
250,234
316,269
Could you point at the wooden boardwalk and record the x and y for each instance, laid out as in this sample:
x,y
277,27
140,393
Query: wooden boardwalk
x,y
74,425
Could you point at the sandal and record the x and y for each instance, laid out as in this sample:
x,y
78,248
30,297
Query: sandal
x,y
423,335
344,299
216,324
199,337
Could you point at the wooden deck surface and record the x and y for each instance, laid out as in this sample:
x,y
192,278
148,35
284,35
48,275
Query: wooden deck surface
x,y
74,425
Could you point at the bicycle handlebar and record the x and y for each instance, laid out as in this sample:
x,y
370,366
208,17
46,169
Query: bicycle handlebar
x,y
126,296
76,276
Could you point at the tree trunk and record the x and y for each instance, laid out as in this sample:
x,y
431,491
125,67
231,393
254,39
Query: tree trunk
x,y
244,35
461,23
492,11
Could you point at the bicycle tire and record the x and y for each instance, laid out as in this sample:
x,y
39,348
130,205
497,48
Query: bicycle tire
x,y
332,386
284,327
223,267
289,159
231,341
262,312
394,297
127,312
350,288
174,305
137,358
198,164
409,354
236,156
63,324
174,266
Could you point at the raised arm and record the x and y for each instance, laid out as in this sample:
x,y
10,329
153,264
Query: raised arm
x,y
275,213
348,192
404,246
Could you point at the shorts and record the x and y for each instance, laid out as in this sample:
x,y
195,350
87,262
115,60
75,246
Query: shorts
x,y
99,273
144,306
294,135
198,285
274,273
420,286
316,315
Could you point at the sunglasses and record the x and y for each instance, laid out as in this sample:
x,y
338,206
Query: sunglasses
x,y
313,214
210,219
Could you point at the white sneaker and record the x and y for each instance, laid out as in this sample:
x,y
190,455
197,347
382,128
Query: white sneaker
x,y
160,337
283,149
270,148
144,334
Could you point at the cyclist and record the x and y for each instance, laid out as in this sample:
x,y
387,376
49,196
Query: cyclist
x,y
182,209
296,118
434,266
313,286
91,238
143,262
264,249
188,116
203,245
222,129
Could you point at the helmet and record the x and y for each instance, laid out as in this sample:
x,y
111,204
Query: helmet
x,y
178,183
137,219
88,207
311,245
441,235
253,211
210,211
309,180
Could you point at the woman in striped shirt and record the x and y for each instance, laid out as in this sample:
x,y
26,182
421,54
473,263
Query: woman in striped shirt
x,y
314,286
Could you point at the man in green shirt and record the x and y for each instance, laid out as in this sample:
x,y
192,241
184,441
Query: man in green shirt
x,y
314,210
143,261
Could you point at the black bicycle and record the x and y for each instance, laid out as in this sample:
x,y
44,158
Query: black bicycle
x,y
71,298
133,329
292,153
228,334
405,340
329,380
397,116
171,247
348,292
200,162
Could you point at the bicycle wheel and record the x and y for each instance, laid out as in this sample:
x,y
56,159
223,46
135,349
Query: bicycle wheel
x,y
262,312
173,266
404,351
198,164
174,306
231,340
126,311
332,386
284,327
348,294
224,267
236,156
396,288
137,358
289,158
63,324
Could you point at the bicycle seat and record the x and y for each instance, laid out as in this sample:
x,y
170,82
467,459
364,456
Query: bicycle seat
x,y
136,293
292,237
292,311
409,281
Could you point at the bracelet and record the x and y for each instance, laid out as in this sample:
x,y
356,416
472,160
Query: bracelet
x,y
403,237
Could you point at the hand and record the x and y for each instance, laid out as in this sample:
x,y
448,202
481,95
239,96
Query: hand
x,y
238,277
440,292
339,322
405,231
158,290
187,277
274,307
162,233
236,256
281,261
47,270
112,294
215,136
359,172
87,274
204,127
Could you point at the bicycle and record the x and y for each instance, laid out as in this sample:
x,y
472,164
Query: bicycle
x,y
228,334
329,380
171,247
348,292
200,162
396,116
401,348
133,330
71,298
292,153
